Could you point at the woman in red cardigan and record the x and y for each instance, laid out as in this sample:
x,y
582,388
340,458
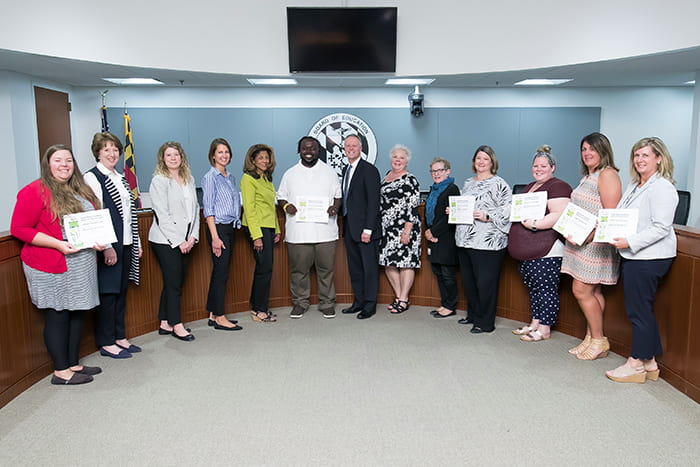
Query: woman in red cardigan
x,y
62,279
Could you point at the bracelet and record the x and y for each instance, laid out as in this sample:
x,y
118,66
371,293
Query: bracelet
x,y
284,208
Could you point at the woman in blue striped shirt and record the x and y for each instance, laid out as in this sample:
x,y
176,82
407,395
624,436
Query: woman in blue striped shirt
x,y
222,211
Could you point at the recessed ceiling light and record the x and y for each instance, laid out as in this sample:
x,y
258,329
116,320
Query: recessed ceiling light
x,y
542,82
690,82
409,81
133,81
272,81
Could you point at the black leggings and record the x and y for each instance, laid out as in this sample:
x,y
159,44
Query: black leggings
x,y
62,332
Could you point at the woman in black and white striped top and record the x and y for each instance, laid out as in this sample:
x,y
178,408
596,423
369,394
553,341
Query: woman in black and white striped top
x,y
120,263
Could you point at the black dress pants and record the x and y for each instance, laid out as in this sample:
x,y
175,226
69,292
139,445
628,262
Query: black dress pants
x,y
262,277
173,267
110,313
363,267
62,332
447,284
481,272
220,269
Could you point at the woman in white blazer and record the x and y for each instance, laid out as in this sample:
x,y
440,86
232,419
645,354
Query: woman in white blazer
x,y
174,232
646,255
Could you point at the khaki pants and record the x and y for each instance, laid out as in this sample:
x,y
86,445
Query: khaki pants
x,y
301,257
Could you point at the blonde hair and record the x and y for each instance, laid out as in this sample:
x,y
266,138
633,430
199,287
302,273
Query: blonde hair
x,y
545,151
162,168
658,147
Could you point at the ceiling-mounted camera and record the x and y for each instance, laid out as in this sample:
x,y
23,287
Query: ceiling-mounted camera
x,y
415,102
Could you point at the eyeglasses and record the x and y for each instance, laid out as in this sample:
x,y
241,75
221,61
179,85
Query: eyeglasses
x,y
437,171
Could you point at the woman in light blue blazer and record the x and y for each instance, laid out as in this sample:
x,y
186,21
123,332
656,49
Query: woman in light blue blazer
x,y
646,255
174,232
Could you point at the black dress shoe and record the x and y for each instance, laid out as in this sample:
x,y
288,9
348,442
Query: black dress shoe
x,y
364,314
467,320
187,338
350,310
438,315
478,330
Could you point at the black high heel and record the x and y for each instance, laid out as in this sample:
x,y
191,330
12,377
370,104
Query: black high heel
x,y
401,306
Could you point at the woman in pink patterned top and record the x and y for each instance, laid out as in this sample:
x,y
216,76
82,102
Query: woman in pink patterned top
x,y
593,264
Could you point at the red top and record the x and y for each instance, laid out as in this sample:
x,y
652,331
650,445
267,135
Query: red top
x,y
32,215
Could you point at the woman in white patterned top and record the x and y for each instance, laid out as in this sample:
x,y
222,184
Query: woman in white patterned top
x,y
481,246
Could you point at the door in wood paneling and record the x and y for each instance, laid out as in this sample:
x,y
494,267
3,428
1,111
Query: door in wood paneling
x,y
52,118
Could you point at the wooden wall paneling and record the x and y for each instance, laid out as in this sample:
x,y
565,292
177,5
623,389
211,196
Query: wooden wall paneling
x,y
23,358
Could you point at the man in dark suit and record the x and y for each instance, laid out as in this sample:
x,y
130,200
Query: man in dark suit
x,y
361,228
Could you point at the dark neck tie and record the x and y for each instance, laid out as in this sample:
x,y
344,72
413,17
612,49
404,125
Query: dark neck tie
x,y
346,186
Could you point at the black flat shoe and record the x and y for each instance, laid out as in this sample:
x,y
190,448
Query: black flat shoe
x,y
77,378
187,338
89,370
212,322
165,332
224,328
131,349
438,315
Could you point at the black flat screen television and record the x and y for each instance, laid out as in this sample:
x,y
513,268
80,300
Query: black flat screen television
x,y
342,39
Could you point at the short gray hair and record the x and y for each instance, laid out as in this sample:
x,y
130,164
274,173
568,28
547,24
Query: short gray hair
x,y
400,147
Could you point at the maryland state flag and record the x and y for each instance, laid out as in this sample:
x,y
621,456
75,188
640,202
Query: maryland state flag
x,y
129,160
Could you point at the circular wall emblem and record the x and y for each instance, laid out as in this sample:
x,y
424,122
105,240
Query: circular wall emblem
x,y
332,130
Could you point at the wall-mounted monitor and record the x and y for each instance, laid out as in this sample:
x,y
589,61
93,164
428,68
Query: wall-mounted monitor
x,y
342,39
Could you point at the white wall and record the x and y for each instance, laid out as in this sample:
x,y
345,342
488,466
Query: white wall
x,y
627,115
436,37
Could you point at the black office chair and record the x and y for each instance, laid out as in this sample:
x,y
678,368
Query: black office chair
x,y
518,188
683,208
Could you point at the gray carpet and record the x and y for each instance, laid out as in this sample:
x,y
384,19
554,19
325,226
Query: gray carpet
x,y
392,390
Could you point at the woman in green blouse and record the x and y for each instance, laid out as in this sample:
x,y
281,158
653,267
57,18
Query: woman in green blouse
x,y
260,218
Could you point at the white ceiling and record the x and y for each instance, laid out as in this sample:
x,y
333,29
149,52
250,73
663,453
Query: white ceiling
x,y
664,69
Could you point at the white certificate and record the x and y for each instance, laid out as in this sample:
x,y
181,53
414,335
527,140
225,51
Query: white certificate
x,y
615,223
528,206
312,209
85,229
461,209
575,222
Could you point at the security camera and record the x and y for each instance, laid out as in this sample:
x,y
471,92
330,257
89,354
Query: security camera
x,y
415,102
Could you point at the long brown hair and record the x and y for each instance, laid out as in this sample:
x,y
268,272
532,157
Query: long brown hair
x,y
601,144
249,163
63,200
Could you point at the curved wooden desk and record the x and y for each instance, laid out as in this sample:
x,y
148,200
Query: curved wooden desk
x,y
24,361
